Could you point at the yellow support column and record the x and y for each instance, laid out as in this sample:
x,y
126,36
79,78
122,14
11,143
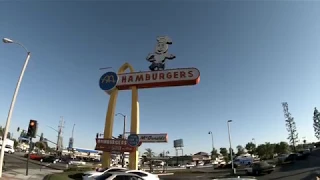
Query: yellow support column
x,y
108,128
135,124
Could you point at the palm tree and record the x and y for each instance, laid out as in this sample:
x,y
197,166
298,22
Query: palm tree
x,y
149,153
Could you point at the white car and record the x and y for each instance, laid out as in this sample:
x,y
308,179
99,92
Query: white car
x,y
93,174
77,162
8,149
118,176
144,175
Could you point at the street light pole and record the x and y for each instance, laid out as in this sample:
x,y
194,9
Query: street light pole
x,y
13,101
73,130
123,134
231,156
212,143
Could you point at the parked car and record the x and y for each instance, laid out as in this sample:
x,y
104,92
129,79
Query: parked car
x,y
50,159
8,149
296,157
98,172
261,167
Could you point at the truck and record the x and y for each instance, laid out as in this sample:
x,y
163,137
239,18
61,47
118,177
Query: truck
x,y
8,142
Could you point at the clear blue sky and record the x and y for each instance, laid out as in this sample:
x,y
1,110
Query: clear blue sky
x,y
252,56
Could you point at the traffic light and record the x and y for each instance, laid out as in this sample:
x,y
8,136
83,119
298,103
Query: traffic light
x,y
32,129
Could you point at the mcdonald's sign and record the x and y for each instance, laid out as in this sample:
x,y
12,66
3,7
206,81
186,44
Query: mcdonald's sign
x,y
108,81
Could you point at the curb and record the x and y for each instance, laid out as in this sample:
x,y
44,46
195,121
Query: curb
x,y
165,174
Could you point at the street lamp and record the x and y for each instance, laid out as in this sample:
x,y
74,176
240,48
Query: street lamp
x,y
124,123
210,132
123,133
231,156
13,101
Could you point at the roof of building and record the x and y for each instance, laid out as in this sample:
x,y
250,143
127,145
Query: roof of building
x,y
86,150
202,154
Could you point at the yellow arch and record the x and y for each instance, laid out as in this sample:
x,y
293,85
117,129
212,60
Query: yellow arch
x,y
134,156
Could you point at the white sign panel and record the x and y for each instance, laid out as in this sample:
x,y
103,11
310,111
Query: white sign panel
x,y
153,138
150,77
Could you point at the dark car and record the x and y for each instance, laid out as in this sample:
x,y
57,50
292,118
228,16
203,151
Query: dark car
x,y
296,157
229,166
258,168
50,159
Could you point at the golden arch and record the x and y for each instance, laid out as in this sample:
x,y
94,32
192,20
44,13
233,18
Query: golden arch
x,y
134,156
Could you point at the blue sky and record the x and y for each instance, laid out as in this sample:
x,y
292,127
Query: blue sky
x,y
252,56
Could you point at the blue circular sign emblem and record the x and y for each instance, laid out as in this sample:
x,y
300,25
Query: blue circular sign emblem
x,y
108,81
133,140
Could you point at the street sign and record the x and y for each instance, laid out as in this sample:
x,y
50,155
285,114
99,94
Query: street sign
x,y
108,81
115,148
133,140
153,138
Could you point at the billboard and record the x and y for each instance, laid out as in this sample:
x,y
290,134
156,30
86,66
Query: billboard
x,y
178,143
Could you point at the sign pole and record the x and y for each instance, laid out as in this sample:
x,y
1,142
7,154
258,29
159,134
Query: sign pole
x,y
27,165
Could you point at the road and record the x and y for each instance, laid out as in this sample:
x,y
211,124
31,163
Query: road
x,y
302,170
15,161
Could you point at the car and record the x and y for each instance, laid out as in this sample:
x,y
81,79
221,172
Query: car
x,y
8,149
93,174
261,167
118,176
144,175
50,159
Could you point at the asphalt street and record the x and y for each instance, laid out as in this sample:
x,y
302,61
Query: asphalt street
x,y
301,170
17,161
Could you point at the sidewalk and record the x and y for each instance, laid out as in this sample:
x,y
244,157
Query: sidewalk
x,y
20,174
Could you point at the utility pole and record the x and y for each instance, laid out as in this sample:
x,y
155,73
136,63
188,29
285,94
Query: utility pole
x,y
60,131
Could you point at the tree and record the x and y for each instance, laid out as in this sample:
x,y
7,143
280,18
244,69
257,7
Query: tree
x,y
291,126
281,148
214,153
231,150
15,143
41,145
316,123
149,153
9,135
266,151
251,147
1,131
240,150
224,151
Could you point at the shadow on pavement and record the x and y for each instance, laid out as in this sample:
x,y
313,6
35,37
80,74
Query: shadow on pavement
x,y
312,175
77,176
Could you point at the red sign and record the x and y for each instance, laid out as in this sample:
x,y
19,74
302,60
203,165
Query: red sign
x,y
165,78
114,145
